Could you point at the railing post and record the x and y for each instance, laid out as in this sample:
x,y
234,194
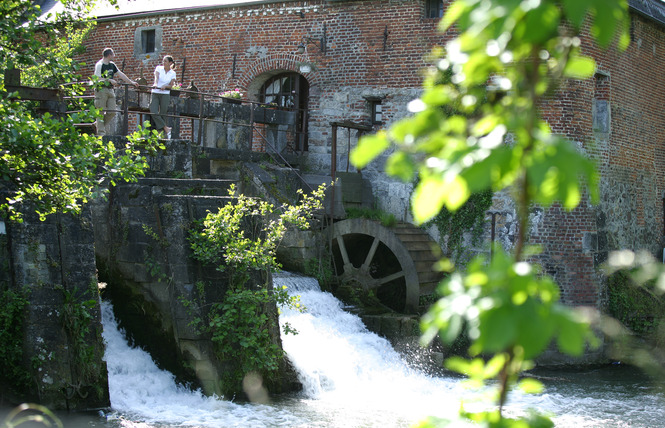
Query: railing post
x,y
125,112
333,168
201,98
251,126
333,152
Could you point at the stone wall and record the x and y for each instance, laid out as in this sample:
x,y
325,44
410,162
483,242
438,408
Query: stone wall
x,y
143,255
374,50
53,262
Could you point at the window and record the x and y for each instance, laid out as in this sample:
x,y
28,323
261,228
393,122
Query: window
x,y
280,90
433,8
290,90
377,112
148,41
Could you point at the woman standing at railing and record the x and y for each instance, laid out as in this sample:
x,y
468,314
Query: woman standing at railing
x,y
165,78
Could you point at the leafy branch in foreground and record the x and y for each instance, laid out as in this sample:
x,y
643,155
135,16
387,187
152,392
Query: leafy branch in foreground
x,y
46,164
241,238
478,126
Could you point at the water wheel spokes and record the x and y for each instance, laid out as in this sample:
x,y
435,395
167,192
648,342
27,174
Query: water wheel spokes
x,y
387,262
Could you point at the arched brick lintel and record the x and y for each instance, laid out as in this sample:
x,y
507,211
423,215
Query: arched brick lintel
x,y
273,62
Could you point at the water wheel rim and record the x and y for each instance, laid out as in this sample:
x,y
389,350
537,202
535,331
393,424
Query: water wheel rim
x,y
379,234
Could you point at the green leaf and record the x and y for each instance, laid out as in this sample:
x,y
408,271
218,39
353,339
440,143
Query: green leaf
x,y
498,330
369,147
572,333
453,13
580,67
400,165
530,385
434,191
540,24
555,172
575,11
610,19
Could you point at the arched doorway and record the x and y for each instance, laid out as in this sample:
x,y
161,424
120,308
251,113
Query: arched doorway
x,y
289,90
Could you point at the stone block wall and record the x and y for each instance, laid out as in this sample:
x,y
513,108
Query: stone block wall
x,y
143,255
53,263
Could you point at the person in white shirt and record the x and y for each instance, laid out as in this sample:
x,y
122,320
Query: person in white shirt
x,y
106,72
165,78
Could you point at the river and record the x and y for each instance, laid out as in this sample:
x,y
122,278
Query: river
x,y
354,378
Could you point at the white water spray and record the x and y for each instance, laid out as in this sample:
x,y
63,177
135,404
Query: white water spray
x,y
351,378
140,391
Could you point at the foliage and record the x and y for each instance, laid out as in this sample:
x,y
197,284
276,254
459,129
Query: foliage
x,y
77,317
241,238
636,285
386,219
469,217
636,307
635,288
240,328
641,267
244,235
11,343
320,269
232,93
46,161
477,126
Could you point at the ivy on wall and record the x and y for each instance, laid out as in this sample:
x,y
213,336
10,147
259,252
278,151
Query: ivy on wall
x,y
13,374
77,318
469,217
636,307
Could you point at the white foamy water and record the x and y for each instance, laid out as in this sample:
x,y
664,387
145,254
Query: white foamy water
x,y
141,392
351,378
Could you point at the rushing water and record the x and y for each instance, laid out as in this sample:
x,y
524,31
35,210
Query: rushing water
x,y
353,378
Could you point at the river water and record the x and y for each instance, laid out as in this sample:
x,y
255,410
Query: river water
x,y
354,378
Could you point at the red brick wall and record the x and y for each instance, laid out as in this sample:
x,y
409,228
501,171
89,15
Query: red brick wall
x,y
359,59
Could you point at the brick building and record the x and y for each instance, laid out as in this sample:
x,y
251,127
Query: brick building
x,y
360,61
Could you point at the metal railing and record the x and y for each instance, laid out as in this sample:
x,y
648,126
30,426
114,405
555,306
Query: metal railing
x,y
203,109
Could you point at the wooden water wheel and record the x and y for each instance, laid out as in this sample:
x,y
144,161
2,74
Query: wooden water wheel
x,y
395,263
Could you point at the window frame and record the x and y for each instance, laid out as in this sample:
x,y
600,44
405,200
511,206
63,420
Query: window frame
x,y
141,43
433,9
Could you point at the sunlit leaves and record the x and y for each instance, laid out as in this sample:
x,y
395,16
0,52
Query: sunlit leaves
x,y
47,164
478,126
369,147
504,305
580,67
243,236
433,192
557,172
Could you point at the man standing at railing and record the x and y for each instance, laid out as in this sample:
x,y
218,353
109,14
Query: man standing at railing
x,y
106,72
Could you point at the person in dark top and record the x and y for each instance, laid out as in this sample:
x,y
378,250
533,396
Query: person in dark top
x,y
107,72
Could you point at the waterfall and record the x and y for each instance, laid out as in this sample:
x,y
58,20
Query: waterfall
x,y
339,361
140,391
351,377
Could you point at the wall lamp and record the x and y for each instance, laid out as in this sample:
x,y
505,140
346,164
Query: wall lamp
x,y
320,43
